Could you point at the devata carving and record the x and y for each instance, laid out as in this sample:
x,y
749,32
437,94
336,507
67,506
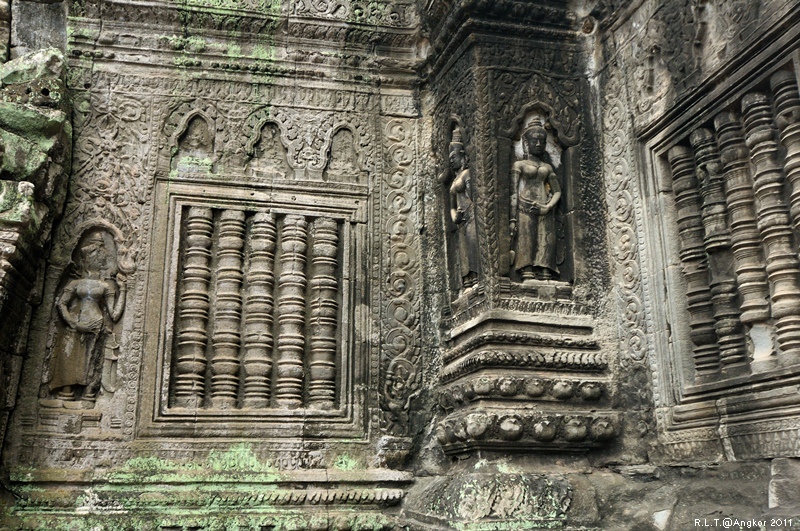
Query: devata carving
x,y
535,191
462,213
343,157
268,154
85,346
196,146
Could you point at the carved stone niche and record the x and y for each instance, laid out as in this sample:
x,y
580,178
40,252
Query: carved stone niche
x,y
538,240
524,369
729,183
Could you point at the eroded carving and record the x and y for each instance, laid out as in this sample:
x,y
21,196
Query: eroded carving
x,y
343,159
268,153
535,191
195,149
462,213
85,345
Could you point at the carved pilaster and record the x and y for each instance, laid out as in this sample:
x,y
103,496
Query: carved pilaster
x,y
693,260
783,267
259,303
193,308
323,311
226,339
291,313
717,240
787,110
745,244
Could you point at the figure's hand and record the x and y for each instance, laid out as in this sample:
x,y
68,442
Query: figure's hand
x,y
459,216
536,209
89,328
122,280
513,227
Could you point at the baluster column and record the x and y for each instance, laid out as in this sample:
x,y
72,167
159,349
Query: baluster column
x,y
259,304
693,261
291,313
323,310
783,267
787,110
190,366
227,311
717,241
745,240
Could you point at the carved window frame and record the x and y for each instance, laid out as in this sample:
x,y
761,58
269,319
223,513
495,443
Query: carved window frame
x,y
349,205
727,409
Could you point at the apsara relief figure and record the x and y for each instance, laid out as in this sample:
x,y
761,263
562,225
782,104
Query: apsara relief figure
x,y
462,213
195,150
535,192
88,306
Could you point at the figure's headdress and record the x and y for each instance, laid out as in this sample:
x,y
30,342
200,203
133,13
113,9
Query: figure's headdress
x,y
456,142
535,124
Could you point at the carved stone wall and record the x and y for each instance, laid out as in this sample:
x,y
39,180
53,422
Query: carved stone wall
x,y
217,286
717,177
453,264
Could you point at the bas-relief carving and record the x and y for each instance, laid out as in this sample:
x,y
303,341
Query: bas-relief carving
x,y
462,212
535,192
84,348
344,162
268,153
512,498
685,41
195,147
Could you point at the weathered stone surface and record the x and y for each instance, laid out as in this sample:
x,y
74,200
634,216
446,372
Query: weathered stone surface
x,y
35,151
37,25
400,265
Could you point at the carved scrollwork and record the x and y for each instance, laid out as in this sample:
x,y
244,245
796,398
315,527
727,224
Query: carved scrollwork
x,y
622,197
521,94
400,376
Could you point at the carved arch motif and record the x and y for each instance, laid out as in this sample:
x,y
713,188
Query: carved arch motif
x,y
180,117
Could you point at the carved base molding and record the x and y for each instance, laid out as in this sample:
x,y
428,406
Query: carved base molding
x,y
513,382
753,426
158,494
511,429
491,501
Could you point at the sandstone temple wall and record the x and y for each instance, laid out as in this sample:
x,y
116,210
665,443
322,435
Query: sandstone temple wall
x,y
421,265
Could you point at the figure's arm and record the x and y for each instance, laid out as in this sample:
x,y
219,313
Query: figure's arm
x,y
552,180
63,303
115,308
454,214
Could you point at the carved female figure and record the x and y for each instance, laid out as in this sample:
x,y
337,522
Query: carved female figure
x,y
89,305
535,192
462,213
195,147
